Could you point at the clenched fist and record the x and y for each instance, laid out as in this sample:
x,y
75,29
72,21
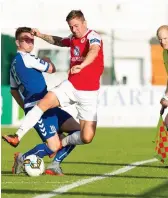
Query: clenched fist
x,y
35,32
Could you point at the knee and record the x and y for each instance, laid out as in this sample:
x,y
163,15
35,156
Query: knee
x,y
44,104
87,139
88,133
54,146
47,102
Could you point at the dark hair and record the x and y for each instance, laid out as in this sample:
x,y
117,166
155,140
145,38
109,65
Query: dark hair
x,y
75,14
21,30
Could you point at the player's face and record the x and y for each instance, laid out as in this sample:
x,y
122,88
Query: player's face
x,y
163,38
78,27
26,42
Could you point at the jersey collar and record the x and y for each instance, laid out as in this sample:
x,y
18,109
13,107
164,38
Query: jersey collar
x,y
21,52
86,33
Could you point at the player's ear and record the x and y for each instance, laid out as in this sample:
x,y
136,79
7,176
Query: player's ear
x,y
17,43
85,23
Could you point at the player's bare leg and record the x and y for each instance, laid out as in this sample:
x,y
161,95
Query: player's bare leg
x,y
70,125
54,168
84,136
54,144
49,101
88,129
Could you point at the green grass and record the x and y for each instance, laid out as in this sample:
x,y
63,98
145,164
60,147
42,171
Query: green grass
x,y
111,149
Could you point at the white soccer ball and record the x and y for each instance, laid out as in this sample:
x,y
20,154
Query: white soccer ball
x,y
34,165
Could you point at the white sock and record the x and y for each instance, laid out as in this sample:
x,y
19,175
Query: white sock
x,y
31,118
74,139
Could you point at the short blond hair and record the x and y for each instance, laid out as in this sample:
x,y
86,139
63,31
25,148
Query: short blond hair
x,y
163,27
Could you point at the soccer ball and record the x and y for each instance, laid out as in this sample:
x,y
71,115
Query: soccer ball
x,y
33,165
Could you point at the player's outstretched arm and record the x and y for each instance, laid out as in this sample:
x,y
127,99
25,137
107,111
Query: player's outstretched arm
x,y
51,68
54,40
91,55
17,97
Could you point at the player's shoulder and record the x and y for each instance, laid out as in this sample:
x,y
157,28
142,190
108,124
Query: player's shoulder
x,y
29,59
25,56
94,38
68,37
165,54
19,57
93,33
19,54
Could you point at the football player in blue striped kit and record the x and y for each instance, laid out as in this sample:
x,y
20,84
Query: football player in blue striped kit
x,y
28,86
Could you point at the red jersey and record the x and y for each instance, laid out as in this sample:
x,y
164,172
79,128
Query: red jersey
x,y
88,79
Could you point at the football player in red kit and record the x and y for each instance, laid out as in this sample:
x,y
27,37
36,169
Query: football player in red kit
x,y
82,86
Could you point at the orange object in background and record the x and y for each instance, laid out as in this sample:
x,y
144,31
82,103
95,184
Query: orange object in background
x,y
159,75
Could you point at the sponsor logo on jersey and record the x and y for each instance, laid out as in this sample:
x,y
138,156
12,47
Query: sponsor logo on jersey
x,y
53,129
80,59
76,51
83,40
95,40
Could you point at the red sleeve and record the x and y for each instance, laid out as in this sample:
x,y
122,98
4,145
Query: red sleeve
x,y
66,42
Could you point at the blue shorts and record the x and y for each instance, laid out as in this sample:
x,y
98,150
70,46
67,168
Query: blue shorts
x,y
50,122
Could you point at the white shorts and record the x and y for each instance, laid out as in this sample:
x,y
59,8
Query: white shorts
x,y
86,101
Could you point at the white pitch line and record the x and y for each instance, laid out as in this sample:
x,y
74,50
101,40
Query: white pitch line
x,y
30,182
82,182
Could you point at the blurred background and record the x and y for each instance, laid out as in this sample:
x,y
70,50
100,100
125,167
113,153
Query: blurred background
x,y
134,78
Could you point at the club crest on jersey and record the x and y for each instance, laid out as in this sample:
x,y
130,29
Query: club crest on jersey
x,y
53,129
76,51
83,40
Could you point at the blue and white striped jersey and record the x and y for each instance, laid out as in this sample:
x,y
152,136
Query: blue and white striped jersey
x,y
26,76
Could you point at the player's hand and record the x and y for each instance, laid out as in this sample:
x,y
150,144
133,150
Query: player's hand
x,y
76,69
46,59
35,32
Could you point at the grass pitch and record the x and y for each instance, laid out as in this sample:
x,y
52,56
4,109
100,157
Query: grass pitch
x,y
112,149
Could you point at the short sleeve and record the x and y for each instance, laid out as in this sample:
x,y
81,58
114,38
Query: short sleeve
x,y
31,61
66,41
94,38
